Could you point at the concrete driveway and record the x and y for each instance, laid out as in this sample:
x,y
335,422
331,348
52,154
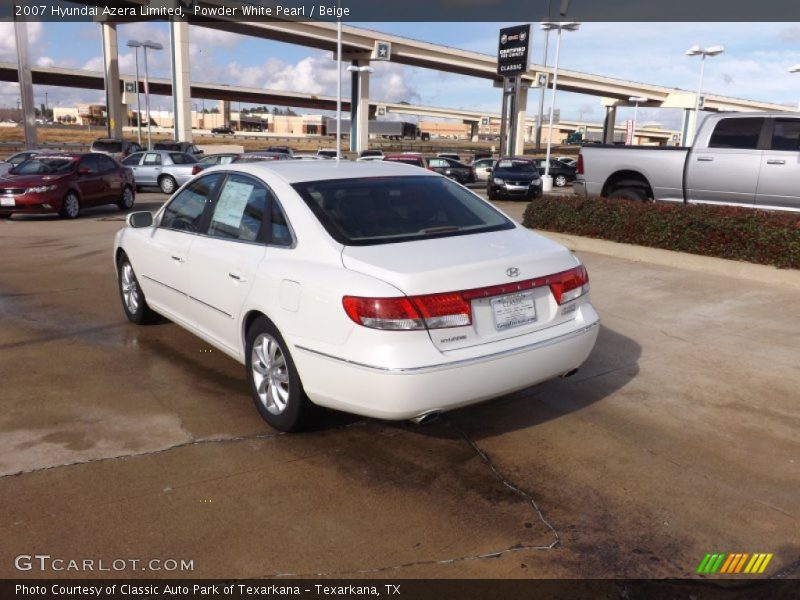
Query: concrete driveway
x,y
677,438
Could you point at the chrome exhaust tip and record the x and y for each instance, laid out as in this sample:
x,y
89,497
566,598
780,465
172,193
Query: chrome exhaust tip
x,y
569,373
425,418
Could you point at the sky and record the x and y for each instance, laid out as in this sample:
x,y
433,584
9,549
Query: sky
x,y
754,65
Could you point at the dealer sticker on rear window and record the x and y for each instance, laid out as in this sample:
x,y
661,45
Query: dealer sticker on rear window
x,y
513,310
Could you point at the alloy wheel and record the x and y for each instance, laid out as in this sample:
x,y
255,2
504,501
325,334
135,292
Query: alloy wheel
x,y
130,288
270,373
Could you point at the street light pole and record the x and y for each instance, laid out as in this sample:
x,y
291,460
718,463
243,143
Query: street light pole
x,y
795,69
702,53
636,100
547,180
338,84
135,45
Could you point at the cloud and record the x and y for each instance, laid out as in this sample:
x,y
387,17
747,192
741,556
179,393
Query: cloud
x,y
8,41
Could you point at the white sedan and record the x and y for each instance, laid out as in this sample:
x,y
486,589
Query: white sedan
x,y
383,290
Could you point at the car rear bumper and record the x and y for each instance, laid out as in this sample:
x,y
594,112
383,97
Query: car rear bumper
x,y
404,393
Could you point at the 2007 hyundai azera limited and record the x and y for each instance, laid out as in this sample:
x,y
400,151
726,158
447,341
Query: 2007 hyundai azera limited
x,y
374,288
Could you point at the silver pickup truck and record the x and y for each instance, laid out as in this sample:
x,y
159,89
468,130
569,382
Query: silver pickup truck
x,y
743,159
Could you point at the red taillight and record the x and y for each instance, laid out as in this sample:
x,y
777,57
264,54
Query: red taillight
x,y
383,313
568,285
579,166
454,309
196,169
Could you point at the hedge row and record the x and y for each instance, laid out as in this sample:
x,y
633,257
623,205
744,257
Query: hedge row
x,y
758,236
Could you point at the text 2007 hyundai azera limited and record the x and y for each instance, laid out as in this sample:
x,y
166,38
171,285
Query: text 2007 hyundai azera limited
x,y
378,289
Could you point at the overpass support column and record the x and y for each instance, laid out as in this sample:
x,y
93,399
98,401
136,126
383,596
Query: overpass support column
x,y
473,130
116,114
359,107
518,144
181,91
225,111
609,124
25,80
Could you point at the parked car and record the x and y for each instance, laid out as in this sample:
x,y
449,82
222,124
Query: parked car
x,y
381,290
115,148
570,161
561,173
281,150
224,130
451,155
416,160
309,156
369,158
163,168
65,184
483,168
187,147
327,152
743,159
260,156
479,154
455,170
371,153
212,160
19,157
514,177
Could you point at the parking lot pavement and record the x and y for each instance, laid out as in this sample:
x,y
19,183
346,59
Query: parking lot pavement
x,y
678,437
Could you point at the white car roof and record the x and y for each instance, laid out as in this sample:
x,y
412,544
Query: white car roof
x,y
296,171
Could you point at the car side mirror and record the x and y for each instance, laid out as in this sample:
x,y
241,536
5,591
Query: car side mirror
x,y
84,171
140,219
489,169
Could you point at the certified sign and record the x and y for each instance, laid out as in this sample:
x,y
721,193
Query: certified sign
x,y
512,51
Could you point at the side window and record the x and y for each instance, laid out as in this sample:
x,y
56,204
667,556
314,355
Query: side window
x,y
105,164
737,133
152,159
185,211
181,159
20,158
281,234
132,160
239,210
786,135
437,162
89,163
224,160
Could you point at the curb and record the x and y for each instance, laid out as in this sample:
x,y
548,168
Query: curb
x,y
681,260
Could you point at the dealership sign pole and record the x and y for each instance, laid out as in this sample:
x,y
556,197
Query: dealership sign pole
x,y
512,61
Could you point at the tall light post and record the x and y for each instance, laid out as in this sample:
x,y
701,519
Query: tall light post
x,y
795,69
147,44
636,101
136,45
547,180
702,53
338,82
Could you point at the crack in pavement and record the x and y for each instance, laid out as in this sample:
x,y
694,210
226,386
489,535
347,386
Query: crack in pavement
x,y
484,456
480,452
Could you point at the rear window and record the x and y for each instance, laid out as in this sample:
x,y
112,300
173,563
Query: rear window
x,y
182,159
44,166
737,133
517,166
384,210
107,146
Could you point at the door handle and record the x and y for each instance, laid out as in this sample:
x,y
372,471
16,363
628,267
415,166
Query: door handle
x,y
705,158
237,276
776,161
179,259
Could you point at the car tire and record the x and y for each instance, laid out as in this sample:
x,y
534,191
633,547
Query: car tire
x,y
491,195
8,216
560,181
274,382
167,184
70,206
130,293
629,193
127,198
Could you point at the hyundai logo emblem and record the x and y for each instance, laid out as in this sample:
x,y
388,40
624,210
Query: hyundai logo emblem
x,y
512,272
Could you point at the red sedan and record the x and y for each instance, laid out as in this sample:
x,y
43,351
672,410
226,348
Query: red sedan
x,y
65,184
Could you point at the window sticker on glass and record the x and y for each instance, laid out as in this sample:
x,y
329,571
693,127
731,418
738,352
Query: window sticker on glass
x,y
232,203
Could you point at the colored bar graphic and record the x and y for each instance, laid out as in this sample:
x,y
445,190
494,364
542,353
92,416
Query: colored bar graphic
x,y
734,563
